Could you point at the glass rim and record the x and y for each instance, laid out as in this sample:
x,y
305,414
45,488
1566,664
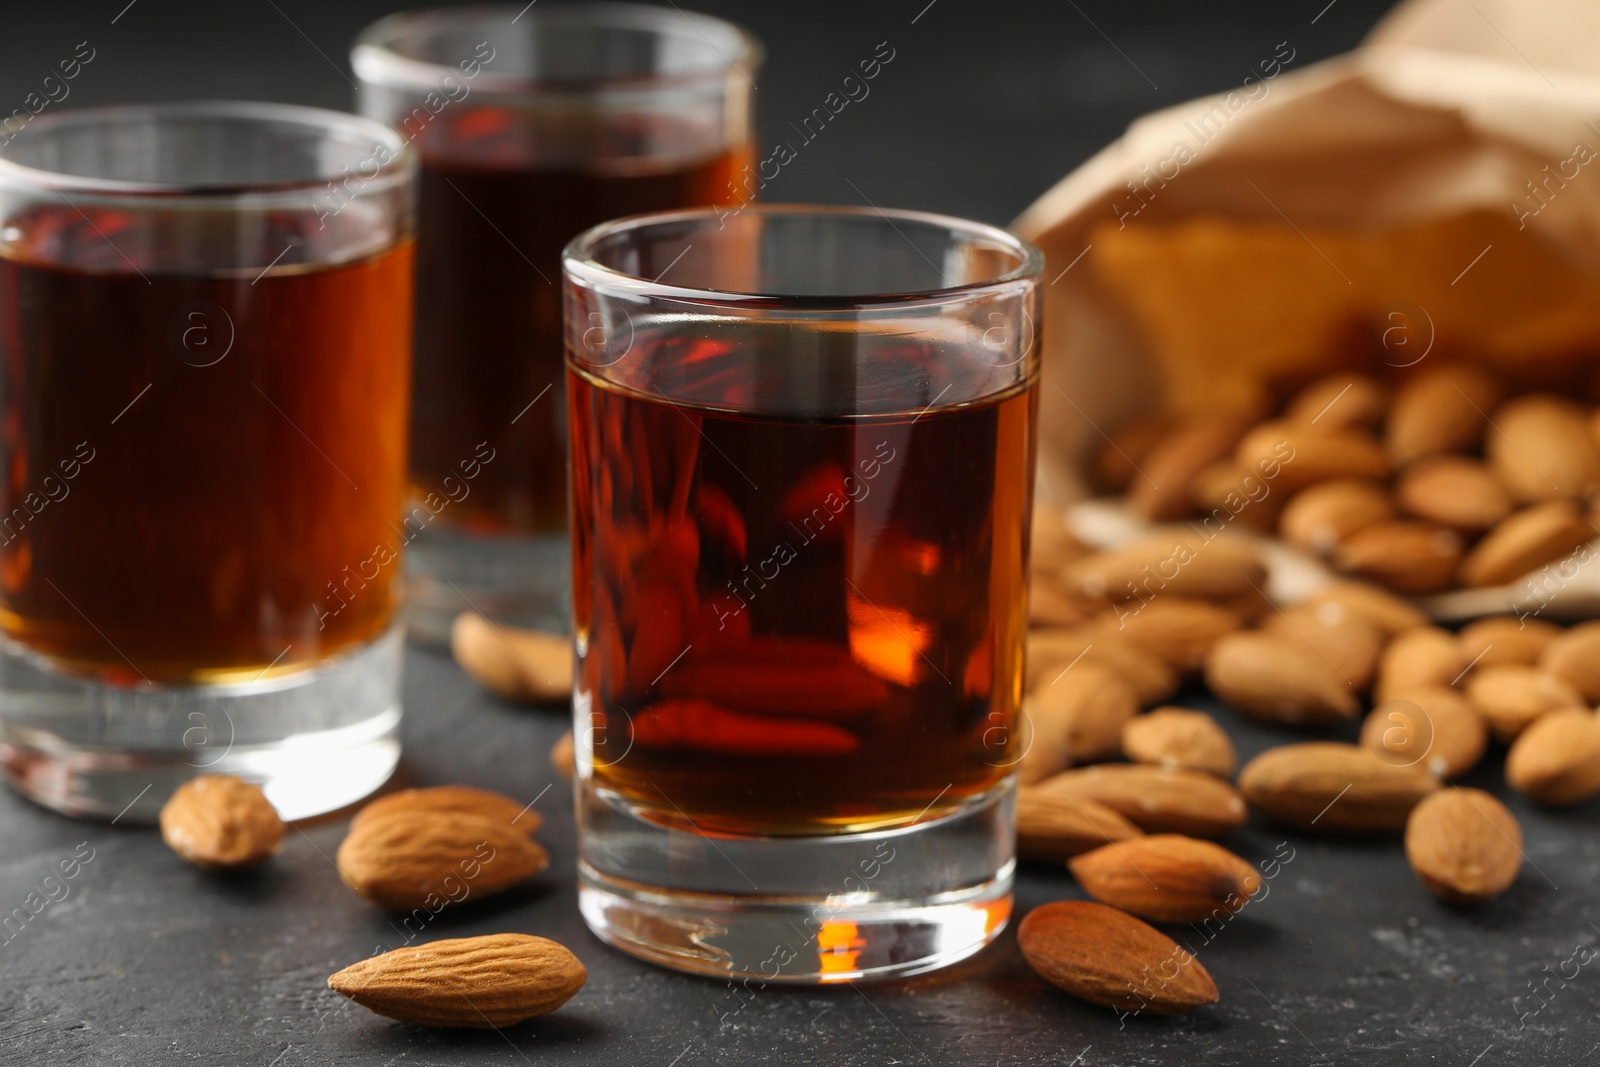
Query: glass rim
x,y
578,262
376,61
397,170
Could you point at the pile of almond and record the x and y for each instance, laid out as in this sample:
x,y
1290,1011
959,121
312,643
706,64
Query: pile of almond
x,y
1448,479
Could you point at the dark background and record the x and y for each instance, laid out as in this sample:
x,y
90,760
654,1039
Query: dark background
x,y
985,105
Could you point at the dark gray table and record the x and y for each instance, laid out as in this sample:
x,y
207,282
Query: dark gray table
x,y
147,961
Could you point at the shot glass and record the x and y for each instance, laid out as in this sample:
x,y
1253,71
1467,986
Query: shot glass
x,y
205,325
532,124
802,469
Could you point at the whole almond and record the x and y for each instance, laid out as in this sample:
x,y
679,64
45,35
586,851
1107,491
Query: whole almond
x,y
1509,698
455,799
1505,640
1574,655
1454,491
1178,630
1304,455
1052,651
1464,845
1525,541
1177,564
1440,409
483,983
1051,545
1075,719
1157,799
219,822
1050,605
1433,727
1320,516
562,758
1162,492
1179,738
1272,678
516,664
1426,655
1227,493
1052,827
1108,957
1340,401
1117,462
1408,556
1556,760
1376,607
1337,636
1167,878
1333,788
408,860
1540,448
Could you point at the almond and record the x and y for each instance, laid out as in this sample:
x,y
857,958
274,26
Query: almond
x,y
1464,845
1052,651
1164,489
1574,655
524,665
1440,409
1408,556
1340,401
562,759
1539,447
1157,799
1426,655
1167,878
1333,787
1320,516
1177,630
1505,640
1179,564
219,822
1269,677
1433,727
1051,545
454,799
478,982
1509,698
1052,827
408,860
1117,462
1556,760
1050,605
1075,719
1351,645
1108,957
1305,455
1454,491
1525,541
1225,492
1179,738
1376,607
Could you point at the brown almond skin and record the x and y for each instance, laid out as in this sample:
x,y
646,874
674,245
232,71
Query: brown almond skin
x,y
1180,738
1117,462
1340,401
1432,727
1274,679
1510,698
562,759
1574,655
1108,957
1505,640
1164,492
1334,788
1318,454
1054,828
408,860
1320,516
1075,719
1408,556
1337,636
1426,655
1157,799
475,982
1453,491
1227,493
1176,564
457,799
1167,878
1541,450
218,822
1053,650
1051,605
1051,545
1376,607
1177,630
1464,845
1556,760
1440,409
1525,541
522,665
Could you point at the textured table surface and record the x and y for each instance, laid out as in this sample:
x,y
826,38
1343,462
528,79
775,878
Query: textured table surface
x,y
1347,960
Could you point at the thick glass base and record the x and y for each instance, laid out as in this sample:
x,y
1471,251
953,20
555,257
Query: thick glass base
x,y
832,908
523,581
315,740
